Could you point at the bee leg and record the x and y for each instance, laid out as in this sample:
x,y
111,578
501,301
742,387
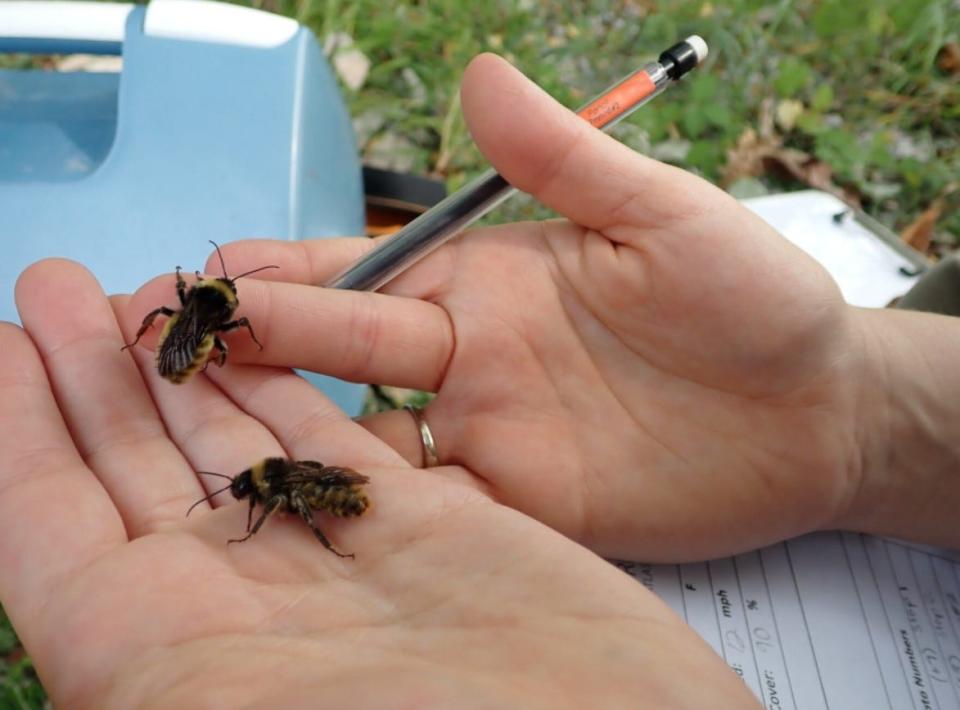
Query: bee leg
x,y
181,288
253,504
147,322
268,508
241,323
222,356
303,508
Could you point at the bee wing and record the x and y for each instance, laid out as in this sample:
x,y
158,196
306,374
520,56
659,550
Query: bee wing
x,y
179,348
326,475
342,476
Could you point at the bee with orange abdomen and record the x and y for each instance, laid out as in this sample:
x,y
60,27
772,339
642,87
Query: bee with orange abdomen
x,y
280,484
190,334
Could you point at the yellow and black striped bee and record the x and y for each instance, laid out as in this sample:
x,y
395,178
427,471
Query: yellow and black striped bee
x,y
190,334
302,487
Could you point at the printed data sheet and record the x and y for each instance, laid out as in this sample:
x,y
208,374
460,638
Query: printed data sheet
x,y
830,620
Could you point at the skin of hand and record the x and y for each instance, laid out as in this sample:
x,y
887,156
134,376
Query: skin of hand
x,y
452,601
660,376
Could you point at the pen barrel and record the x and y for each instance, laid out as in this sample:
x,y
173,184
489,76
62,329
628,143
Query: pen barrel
x,y
427,232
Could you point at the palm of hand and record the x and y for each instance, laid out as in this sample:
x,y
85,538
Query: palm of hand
x,y
177,617
623,392
123,603
697,373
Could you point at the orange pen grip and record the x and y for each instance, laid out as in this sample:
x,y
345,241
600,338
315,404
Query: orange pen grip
x,y
618,100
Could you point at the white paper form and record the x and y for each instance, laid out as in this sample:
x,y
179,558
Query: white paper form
x,y
829,620
867,270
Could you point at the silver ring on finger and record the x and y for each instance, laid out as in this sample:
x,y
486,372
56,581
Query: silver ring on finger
x,y
427,440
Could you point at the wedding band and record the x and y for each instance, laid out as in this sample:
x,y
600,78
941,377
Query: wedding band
x,y
426,436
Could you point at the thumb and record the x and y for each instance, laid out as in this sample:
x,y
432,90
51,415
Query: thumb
x,y
546,150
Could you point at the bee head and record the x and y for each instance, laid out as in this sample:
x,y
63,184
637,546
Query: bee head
x,y
228,283
242,485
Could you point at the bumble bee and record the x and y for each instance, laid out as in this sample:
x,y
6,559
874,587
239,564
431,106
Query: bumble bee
x,y
298,486
190,334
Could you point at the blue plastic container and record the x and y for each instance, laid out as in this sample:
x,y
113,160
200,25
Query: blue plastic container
x,y
199,137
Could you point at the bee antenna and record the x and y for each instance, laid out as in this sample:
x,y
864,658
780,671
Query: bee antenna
x,y
247,273
211,473
206,498
222,265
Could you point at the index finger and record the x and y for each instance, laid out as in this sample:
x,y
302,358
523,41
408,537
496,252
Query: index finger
x,y
356,336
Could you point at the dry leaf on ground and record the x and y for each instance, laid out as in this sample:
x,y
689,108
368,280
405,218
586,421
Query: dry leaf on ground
x,y
948,58
919,233
756,155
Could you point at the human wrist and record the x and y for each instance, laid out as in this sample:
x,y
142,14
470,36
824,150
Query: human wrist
x,y
907,482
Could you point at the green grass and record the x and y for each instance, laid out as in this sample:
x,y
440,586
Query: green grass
x,y
861,79
19,687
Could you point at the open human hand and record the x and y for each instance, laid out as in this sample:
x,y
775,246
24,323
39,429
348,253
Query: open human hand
x,y
661,376
452,600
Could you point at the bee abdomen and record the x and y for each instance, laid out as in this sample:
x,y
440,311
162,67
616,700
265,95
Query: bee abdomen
x,y
341,501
